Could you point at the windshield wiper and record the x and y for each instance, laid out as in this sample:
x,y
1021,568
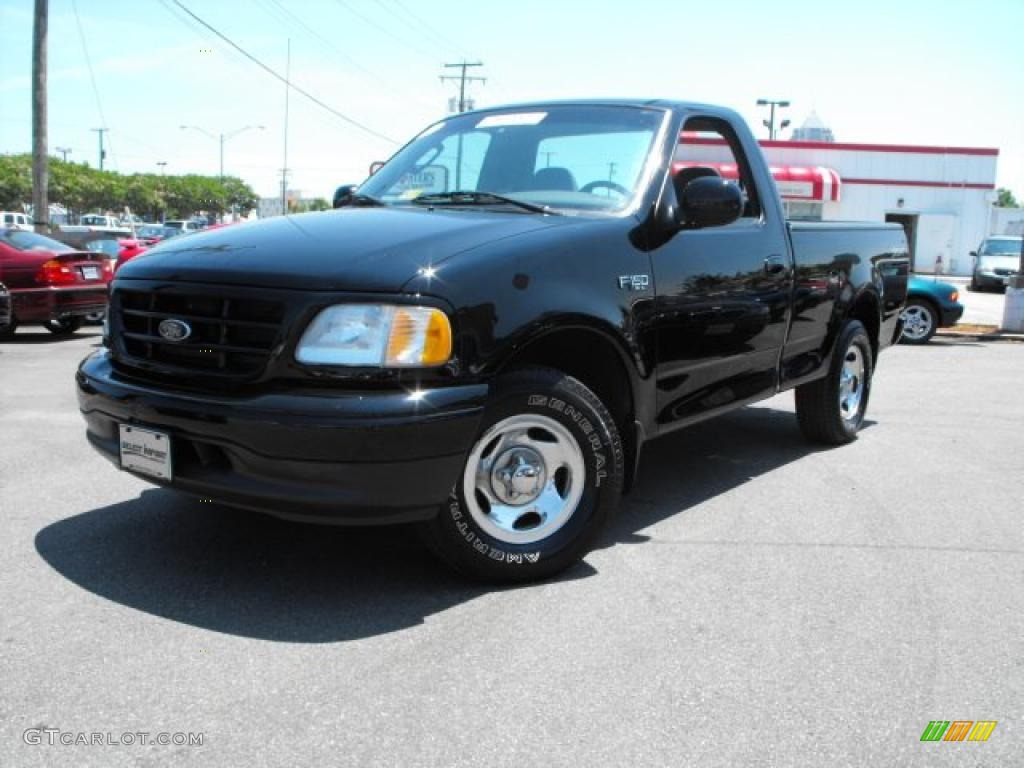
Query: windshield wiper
x,y
467,197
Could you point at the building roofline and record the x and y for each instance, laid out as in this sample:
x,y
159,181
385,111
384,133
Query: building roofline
x,y
910,149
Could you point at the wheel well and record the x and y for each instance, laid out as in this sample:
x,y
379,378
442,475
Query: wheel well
x,y
866,310
925,299
594,360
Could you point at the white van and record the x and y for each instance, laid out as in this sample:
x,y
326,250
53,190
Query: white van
x,y
16,220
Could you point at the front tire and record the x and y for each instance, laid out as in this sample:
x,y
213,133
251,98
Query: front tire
x,y
831,410
541,482
8,329
64,326
920,321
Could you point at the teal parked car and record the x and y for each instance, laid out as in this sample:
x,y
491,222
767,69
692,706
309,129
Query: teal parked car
x,y
930,305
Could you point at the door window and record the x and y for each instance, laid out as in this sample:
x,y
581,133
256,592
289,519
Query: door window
x,y
709,144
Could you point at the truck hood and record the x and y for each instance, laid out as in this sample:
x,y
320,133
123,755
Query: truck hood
x,y
352,249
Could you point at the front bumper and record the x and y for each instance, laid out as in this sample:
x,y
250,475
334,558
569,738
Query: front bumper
x,y
358,458
950,315
990,280
37,305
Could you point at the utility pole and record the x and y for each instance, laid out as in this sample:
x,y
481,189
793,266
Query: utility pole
x,y
221,138
770,122
462,79
103,152
40,169
64,151
284,190
284,165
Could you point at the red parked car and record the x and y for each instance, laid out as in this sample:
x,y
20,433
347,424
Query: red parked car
x,y
51,284
132,247
129,249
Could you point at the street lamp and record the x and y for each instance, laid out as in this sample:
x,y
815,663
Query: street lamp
x,y
770,122
162,164
222,138
65,151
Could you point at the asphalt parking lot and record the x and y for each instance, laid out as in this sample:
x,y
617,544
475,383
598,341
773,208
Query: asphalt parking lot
x,y
759,602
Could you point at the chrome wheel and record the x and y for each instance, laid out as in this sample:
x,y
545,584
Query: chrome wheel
x,y
851,385
917,322
524,479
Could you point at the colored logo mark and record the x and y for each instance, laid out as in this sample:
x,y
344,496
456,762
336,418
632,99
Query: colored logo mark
x,y
958,730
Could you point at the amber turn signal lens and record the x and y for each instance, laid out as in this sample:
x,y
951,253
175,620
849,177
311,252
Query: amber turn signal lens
x,y
954,295
419,336
438,346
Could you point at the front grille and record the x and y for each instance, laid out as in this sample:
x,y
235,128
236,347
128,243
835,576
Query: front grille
x,y
1004,272
230,335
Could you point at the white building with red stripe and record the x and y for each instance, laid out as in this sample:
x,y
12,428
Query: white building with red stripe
x,y
942,195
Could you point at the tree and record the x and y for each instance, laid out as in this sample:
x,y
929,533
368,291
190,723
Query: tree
x,y
1005,199
81,188
15,181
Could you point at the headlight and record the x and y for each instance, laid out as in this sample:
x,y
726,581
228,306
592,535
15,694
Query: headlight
x,y
377,335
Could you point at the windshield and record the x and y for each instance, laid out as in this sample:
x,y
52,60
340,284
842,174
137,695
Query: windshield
x,y
568,158
1004,246
30,241
173,224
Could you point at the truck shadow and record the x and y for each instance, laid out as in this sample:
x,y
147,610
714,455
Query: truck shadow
x,y
251,575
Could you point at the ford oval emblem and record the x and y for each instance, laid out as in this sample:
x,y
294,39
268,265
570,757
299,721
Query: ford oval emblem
x,y
174,330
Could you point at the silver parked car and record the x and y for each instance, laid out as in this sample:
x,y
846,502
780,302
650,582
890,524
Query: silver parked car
x,y
995,262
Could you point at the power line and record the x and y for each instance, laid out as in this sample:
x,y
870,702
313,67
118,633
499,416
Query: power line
x,y
383,29
273,73
290,17
422,26
92,78
284,15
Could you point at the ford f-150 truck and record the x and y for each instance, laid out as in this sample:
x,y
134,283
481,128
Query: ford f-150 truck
x,y
483,336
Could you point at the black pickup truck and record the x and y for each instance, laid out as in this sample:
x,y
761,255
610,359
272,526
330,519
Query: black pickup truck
x,y
484,335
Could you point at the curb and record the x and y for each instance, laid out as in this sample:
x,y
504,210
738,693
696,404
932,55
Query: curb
x,y
994,335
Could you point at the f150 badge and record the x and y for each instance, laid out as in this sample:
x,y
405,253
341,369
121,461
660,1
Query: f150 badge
x,y
634,282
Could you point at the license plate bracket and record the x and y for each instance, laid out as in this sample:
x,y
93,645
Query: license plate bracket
x,y
145,451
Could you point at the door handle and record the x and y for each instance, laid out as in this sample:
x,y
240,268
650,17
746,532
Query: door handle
x,y
774,265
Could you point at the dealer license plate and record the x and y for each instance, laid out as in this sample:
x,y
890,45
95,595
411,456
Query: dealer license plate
x,y
145,451
91,273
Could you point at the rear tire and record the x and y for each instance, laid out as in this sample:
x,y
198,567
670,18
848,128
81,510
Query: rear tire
x,y
920,321
831,410
539,485
64,326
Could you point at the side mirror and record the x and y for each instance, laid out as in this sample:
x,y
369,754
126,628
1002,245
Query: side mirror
x,y
708,201
376,166
974,254
343,195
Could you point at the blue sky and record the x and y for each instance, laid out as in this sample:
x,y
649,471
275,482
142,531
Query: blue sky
x,y
891,72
